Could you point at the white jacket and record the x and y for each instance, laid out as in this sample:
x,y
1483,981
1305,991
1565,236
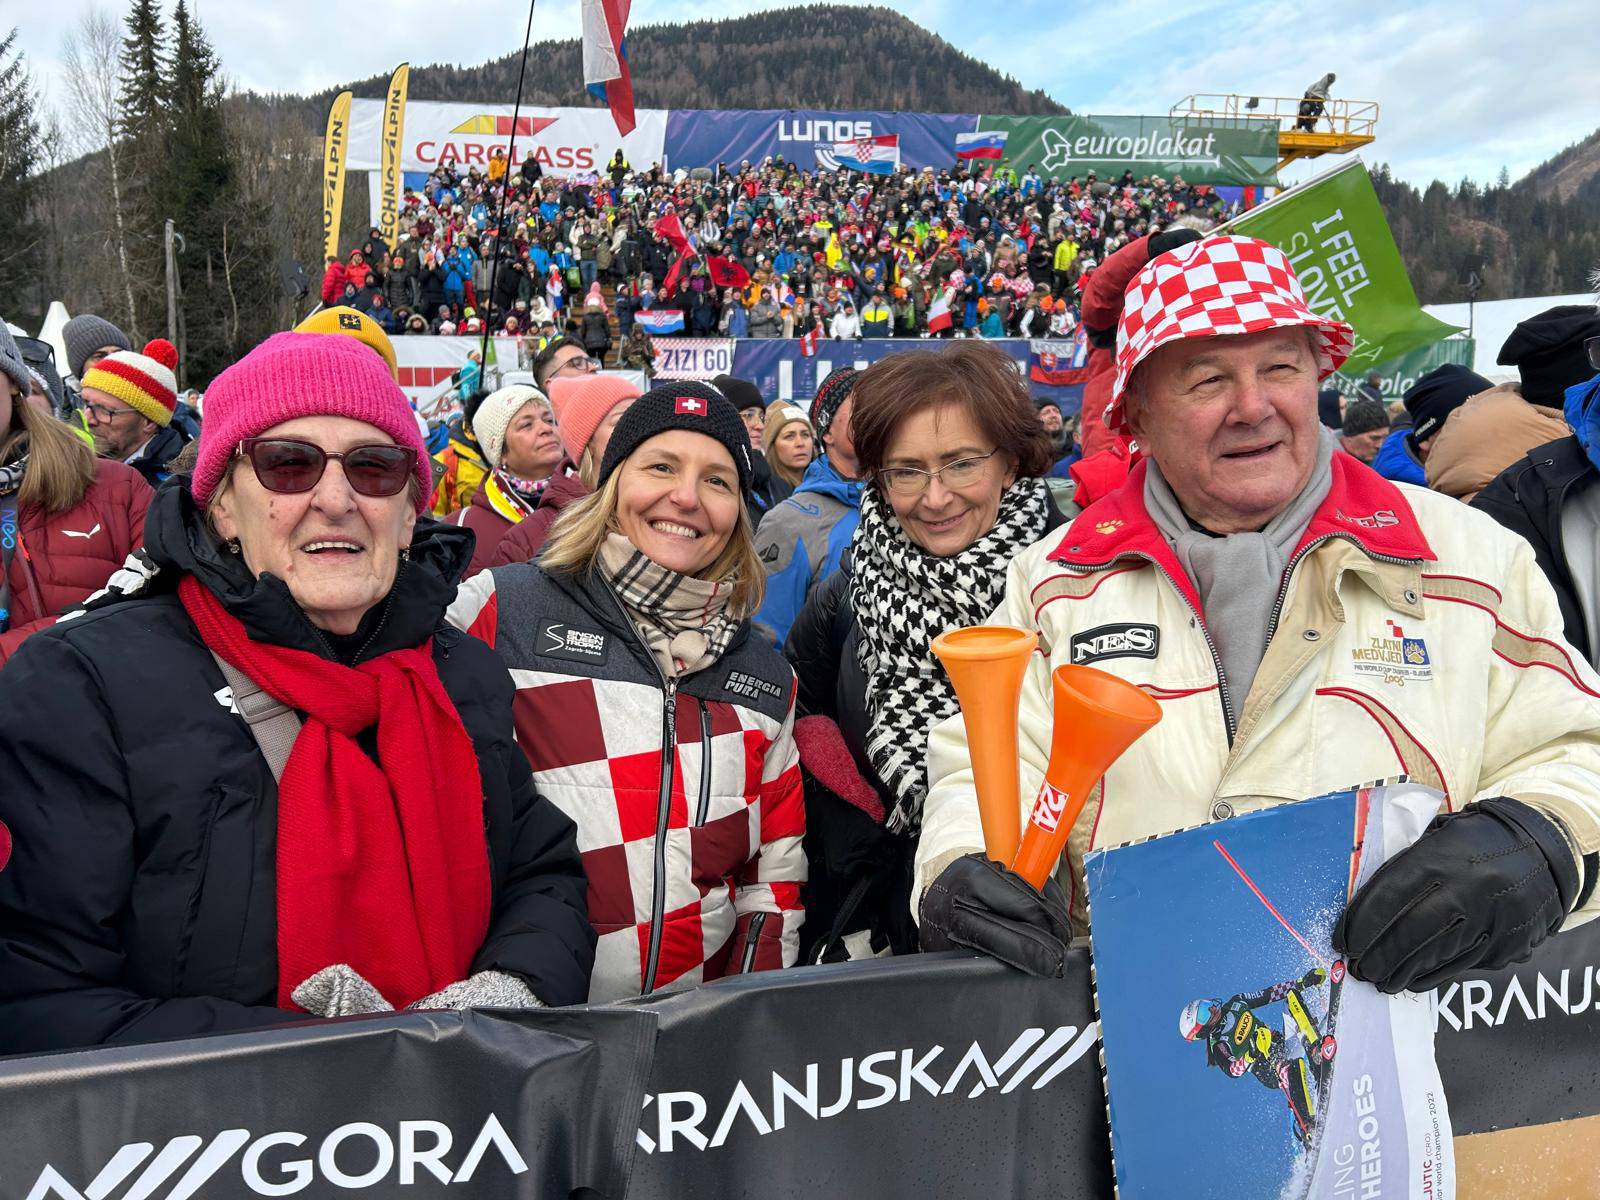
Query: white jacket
x,y
1415,635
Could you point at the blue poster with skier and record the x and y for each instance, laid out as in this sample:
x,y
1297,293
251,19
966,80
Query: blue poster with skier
x,y
1239,1056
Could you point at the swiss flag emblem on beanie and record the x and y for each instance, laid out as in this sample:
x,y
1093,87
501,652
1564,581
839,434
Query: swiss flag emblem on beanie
x,y
692,405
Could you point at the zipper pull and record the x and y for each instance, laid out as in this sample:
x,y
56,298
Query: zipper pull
x,y
672,698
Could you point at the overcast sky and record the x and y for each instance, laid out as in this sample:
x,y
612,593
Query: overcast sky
x,y
1463,89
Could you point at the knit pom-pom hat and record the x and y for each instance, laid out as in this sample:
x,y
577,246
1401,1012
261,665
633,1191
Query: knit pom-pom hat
x,y
292,375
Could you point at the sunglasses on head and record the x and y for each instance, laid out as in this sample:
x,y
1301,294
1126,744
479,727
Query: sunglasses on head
x,y
290,466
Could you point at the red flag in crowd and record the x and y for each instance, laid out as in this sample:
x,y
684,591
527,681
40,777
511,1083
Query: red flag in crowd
x,y
675,274
726,273
670,227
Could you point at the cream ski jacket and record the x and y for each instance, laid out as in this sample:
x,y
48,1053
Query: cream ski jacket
x,y
1412,635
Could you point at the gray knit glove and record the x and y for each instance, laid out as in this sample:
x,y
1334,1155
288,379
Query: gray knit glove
x,y
486,989
338,991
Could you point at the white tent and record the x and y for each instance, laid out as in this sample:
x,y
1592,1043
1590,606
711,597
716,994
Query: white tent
x,y
54,321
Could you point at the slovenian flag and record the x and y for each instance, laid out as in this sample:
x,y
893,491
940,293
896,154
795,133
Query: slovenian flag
x,y
660,320
875,155
605,59
987,144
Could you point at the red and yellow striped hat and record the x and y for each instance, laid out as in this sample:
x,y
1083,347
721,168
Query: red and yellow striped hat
x,y
144,382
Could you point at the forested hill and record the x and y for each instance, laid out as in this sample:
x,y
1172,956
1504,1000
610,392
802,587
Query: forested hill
x,y
813,56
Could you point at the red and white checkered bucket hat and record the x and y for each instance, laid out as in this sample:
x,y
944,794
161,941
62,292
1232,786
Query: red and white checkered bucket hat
x,y
1216,286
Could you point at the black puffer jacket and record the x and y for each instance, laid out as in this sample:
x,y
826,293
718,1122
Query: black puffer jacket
x,y
139,903
1527,498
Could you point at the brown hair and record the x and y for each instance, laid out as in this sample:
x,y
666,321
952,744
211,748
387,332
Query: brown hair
x,y
776,423
60,463
979,378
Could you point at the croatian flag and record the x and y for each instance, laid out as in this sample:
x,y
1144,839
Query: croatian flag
x,y
875,155
605,59
987,144
660,320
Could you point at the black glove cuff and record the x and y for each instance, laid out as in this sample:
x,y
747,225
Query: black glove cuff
x,y
1551,838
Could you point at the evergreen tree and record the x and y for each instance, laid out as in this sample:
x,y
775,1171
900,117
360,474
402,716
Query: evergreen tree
x,y
141,132
22,234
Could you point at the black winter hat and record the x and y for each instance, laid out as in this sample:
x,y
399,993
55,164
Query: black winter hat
x,y
679,404
85,334
1547,351
741,392
1328,407
1438,394
830,398
1363,416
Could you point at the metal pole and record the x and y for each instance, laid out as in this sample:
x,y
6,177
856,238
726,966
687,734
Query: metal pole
x,y
172,287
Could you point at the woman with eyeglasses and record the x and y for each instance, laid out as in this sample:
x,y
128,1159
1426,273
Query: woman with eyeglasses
x,y
952,455
261,778
67,518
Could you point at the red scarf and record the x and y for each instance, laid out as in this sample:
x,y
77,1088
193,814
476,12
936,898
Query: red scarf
x,y
380,865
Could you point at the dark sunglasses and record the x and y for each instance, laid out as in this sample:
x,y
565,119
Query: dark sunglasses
x,y
289,466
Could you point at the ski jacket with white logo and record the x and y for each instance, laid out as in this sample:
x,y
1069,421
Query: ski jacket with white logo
x,y
1410,635
686,792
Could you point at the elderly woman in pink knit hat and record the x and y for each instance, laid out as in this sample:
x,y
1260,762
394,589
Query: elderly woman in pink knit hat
x,y
260,777
587,409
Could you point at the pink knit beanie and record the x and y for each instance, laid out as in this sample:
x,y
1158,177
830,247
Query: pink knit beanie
x,y
293,375
580,405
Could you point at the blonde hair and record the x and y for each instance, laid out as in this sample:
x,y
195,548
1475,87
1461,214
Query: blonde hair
x,y
573,547
776,423
61,466
588,468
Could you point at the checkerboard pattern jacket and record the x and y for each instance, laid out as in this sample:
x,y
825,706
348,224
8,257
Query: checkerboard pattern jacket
x,y
686,794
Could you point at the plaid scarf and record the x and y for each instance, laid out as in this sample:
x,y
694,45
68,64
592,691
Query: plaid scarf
x,y
684,621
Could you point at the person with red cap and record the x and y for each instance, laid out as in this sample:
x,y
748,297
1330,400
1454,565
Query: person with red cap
x,y
1307,625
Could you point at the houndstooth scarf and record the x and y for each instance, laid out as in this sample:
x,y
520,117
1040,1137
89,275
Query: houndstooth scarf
x,y
904,597
683,620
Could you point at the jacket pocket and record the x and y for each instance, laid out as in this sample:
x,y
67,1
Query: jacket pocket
x,y
224,896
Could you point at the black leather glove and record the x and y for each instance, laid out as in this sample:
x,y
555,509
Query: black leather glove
x,y
1171,239
976,904
1478,891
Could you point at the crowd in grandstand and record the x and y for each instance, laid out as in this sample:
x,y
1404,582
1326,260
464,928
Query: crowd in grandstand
x,y
618,689
758,250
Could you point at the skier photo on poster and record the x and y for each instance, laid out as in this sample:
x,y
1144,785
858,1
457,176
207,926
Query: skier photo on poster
x,y
1324,1081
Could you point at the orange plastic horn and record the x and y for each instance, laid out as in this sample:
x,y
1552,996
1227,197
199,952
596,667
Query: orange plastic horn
x,y
1097,717
986,664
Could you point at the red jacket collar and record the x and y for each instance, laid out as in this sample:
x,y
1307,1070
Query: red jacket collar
x,y
1361,505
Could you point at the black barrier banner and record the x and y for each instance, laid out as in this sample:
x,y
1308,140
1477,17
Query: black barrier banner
x,y
932,1075
535,1105
935,1075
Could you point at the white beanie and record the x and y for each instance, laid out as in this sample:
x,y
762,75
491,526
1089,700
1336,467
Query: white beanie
x,y
494,416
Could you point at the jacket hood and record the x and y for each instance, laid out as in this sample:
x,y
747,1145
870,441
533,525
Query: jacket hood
x,y
820,477
562,491
178,542
1581,407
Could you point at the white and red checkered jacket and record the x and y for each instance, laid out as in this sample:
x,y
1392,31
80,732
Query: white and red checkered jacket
x,y
686,793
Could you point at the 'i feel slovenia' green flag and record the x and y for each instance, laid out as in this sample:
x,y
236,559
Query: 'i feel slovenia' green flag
x,y
1334,232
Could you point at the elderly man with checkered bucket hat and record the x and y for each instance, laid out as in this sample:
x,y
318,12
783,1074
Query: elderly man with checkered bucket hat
x,y
1261,566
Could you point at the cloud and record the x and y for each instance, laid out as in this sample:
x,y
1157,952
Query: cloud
x,y
1461,93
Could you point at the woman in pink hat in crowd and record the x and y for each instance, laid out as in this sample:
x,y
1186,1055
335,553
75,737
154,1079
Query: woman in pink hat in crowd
x,y
517,431
587,409
371,841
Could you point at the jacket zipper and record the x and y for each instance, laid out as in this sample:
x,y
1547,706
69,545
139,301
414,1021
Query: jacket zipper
x,y
669,747
705,764
751,941
1216,659
1288,571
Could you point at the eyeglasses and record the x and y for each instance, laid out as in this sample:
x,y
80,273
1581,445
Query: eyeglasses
x,y
101,412
1591,347
290,467
913,481
578,362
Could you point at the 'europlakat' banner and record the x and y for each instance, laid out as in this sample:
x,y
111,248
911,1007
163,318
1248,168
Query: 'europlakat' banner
x,y
1239,152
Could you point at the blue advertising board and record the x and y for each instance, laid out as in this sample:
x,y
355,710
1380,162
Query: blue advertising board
x,y
705,137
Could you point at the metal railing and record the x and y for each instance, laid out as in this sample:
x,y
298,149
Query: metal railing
x,y
1348,118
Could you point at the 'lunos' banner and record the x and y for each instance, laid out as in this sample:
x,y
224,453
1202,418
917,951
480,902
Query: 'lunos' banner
x,y
806,137
1245,152
565,141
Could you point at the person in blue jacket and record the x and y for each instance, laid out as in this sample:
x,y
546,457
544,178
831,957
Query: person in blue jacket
x,y
800,541
1431,399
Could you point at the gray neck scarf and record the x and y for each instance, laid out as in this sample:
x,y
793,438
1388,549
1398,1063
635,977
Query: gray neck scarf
x,y
1238,575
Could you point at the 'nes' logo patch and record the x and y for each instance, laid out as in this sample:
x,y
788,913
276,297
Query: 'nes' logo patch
x,y
573,645
1115,641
